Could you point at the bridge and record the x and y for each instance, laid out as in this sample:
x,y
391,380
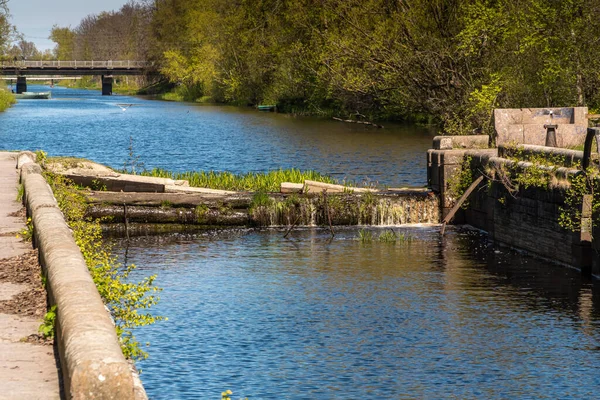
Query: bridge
x,y
106,69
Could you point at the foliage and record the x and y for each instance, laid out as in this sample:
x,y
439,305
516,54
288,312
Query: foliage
x,y
365,236
20,192
461,180
126,300
41,157
252,181
450,61
7,99
48,325
528,170
585,183
27,233
389,236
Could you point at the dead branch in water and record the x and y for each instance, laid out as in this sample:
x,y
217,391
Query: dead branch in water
x,y
353,121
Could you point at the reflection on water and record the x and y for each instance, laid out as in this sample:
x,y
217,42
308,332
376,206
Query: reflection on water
x,y
179,137
307,318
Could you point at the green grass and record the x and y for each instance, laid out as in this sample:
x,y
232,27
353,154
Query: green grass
x,y
252,181
7,99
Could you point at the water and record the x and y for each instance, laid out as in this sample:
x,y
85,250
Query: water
x,y
310,318
181,137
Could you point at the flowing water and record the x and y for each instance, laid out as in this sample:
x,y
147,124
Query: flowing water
x,y
309,317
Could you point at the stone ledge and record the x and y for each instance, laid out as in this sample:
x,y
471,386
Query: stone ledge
x,y
461,142
92,362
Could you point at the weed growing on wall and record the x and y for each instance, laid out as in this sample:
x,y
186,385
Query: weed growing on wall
x,y
47,327
460,181
127,301
582,184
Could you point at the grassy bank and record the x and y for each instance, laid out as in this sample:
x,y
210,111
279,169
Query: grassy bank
x,y
252,181
6,99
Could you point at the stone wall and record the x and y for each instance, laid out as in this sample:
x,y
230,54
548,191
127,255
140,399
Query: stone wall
x,y
526,220
526,125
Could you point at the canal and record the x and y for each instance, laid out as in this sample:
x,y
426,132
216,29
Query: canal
x,y
308,317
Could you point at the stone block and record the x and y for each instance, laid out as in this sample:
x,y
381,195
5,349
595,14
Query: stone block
x,y
451,157
543,116
434,181
580,116
442,142
534,134
287,187
510,134
570,135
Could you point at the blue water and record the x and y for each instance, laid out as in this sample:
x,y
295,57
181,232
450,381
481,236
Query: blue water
x,y
181,137
310,318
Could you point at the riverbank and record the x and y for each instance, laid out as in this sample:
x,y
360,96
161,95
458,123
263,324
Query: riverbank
x,y
7,99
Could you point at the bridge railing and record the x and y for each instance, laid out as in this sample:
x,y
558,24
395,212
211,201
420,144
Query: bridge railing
x,y
110,64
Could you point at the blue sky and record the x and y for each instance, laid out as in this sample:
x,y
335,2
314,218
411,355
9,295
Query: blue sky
x,y
34,18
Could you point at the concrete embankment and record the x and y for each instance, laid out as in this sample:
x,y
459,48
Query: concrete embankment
x,y
92,362
27,370
522,198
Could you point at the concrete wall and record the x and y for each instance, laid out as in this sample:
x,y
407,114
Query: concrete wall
x,y
527,220
92,363
526,125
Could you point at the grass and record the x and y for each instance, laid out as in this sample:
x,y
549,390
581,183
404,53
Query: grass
x,y
387,236
252,181
365,236
7,99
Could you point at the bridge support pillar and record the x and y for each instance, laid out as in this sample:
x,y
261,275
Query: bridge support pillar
x,y
21,84
107,84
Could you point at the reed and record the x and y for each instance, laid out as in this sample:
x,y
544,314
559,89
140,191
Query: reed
x,y
252,181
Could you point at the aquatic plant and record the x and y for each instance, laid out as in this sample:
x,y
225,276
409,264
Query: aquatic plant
x,y
388,236
365,236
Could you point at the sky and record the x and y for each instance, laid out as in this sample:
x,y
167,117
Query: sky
x,y
35,18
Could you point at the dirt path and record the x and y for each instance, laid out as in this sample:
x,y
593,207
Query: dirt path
x,y
28,367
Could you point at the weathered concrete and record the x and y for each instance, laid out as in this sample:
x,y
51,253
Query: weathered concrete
x,y
382,208
27,370
566,157
92,362
91,174
318,187
527,219
461,142
442,165
288,187
526,125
